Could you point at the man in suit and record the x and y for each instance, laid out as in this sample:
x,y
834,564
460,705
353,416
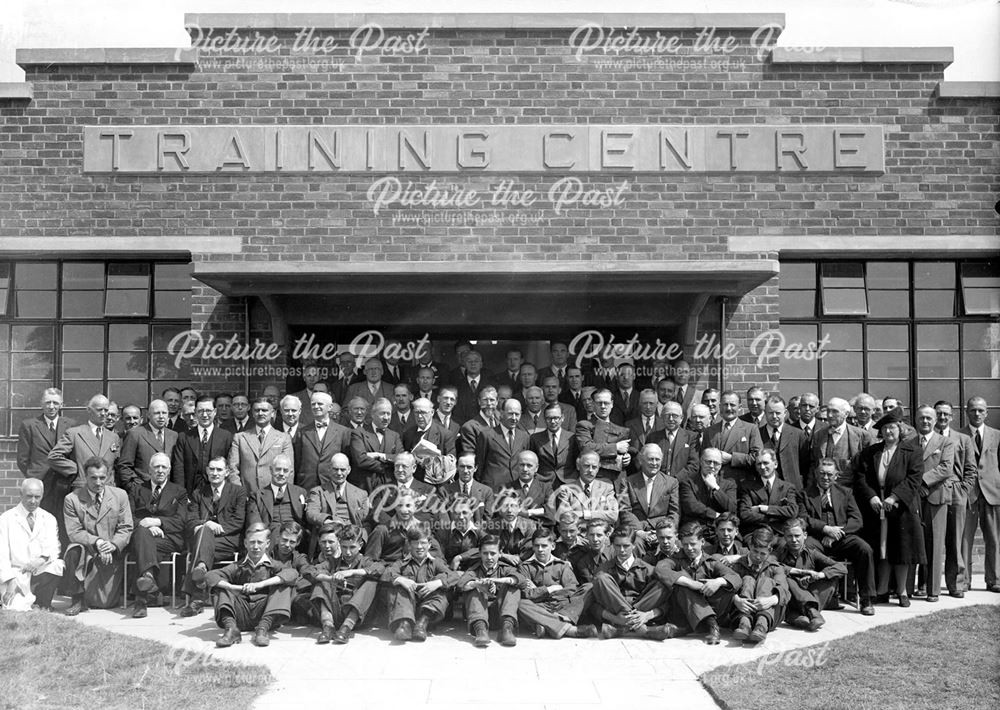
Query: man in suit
x,y
113,420
601,435
290,422
215,522
587,496
698,423
680,452
141,443
984,499
532,418
755,407
841,441
625,395
175,422
241,420
939,481
374,448
486,418
99,525
552,392
159,509
965,480
532,493
864,408
423,385
447,398
132,416
348,376
311,377
402,414
807,410
642,426
384,500
497,448
252,452
465,487
373,387
738,441
197,447
81,443
553,447
280,501
469,386
392,371
572,392
686,392
558,363
833,522
357,413
426,429
769,501
319,441
511,375
30,567
787,442
649,497
335,501
705,497
711,398
36,437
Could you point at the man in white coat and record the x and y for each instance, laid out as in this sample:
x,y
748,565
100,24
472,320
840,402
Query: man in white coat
x,y
30,567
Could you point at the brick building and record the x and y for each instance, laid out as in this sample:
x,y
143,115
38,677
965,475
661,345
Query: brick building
x,y
504,178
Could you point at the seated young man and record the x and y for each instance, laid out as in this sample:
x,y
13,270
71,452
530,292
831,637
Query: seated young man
x,y
459,542
551,600
628,594
254,593
812,577
568,541
417,598
388,542
285,549
344,582
513,529
701,588
727,546
666,543
587,560
759,604
491,591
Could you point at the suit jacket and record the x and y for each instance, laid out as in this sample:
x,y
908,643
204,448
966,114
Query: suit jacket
x,y
988,482
305,413
34,442
683,461
138,448
171,509
229,511
939,478
361,389
469,432
692,396
79,444
322,504
759,422
623,411
664,503
313,452
793,451
252,459
435,434
527,421
397,425
697,500
558,465
481,495
742,441
187,464
574,400
496,458
601,437
367,473
602,503
260,505
782,505
339,387
845,510
857,439
966,471
85,524
537,496
453,428
248,425
467,406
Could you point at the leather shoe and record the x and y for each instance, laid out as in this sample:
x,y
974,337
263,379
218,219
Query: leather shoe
x,y
198,575
867,609
482,635
341,637
712,636
326,635
610,631
816,620
759,632
539,631
587,631
403,632
800,622
261,637
189,610
140,610
904,601
232,635
957,595
932,597
76,606
145,583
506,637
420,630
995,588
742,629
661,633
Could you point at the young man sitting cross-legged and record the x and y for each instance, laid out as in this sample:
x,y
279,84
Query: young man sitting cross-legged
x,y
491,589
812,577
759,605
417,598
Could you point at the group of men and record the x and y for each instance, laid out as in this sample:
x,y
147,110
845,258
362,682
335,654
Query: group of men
x,y
581,506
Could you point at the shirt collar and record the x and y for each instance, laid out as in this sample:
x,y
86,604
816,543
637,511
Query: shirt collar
x,y
629,563
263,560
553,559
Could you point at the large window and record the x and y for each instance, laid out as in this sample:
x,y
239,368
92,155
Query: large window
x,y
88,327
918,330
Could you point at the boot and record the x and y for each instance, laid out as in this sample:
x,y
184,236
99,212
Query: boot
x,y
742,629
342,636
76,605
261,635
759,632
420,630
146,583
232,634
506,636
481,633
139,607
661,633
583,631
326,635
816,620
404,631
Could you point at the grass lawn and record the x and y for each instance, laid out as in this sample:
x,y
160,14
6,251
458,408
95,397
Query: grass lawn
x,y
950,659
53,662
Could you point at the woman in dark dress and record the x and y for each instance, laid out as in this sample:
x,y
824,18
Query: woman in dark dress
x,y
888,493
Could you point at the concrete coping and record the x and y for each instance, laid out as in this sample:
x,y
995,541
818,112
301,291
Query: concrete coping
x,y
484,21
862,55
16,90
96,55
969,89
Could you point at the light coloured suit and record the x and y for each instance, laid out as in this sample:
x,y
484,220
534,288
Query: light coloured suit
x,y
938,487
79,444
138,448
984,503
251,459
85,525
601,504
966,474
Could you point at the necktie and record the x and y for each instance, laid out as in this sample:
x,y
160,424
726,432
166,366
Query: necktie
x,y
767,488
524,490
680,395
510,438
979,445
555,442
159,437
97,500
100,434
827,500
649,492
923,441
52,425
260,436
809,434
157,490
646,425
774,439
586,489
465,489
473,383
31,521
279,495
669,450
216,494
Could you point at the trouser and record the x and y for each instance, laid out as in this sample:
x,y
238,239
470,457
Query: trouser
x,y
482,606
558,614
859,553
689,608
954,560
250,610
807,594
405,606
982,514
85,574
608,596
934,519
207,548
339,601
149,550
43,586
752,588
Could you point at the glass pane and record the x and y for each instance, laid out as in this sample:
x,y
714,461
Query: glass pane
x,y
981,336
987,389
888,337
842,336
178,276
844,389
887,366
797,304
164,368
880,389
931,391
78,393
27,394
5,423
4,290
129,336
35,276
32,338
32,366
934,274
4,369
83,276
842,365
4,337
79,366
843,301
981,275
888,274
798,276
133,392
173,304
87,338
942,364
163,334
795,333
934,304
981,363
793,388
128,276
979,301
843,275
937,337
128,366
36,304
889,304
797,369
127,303
83,304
